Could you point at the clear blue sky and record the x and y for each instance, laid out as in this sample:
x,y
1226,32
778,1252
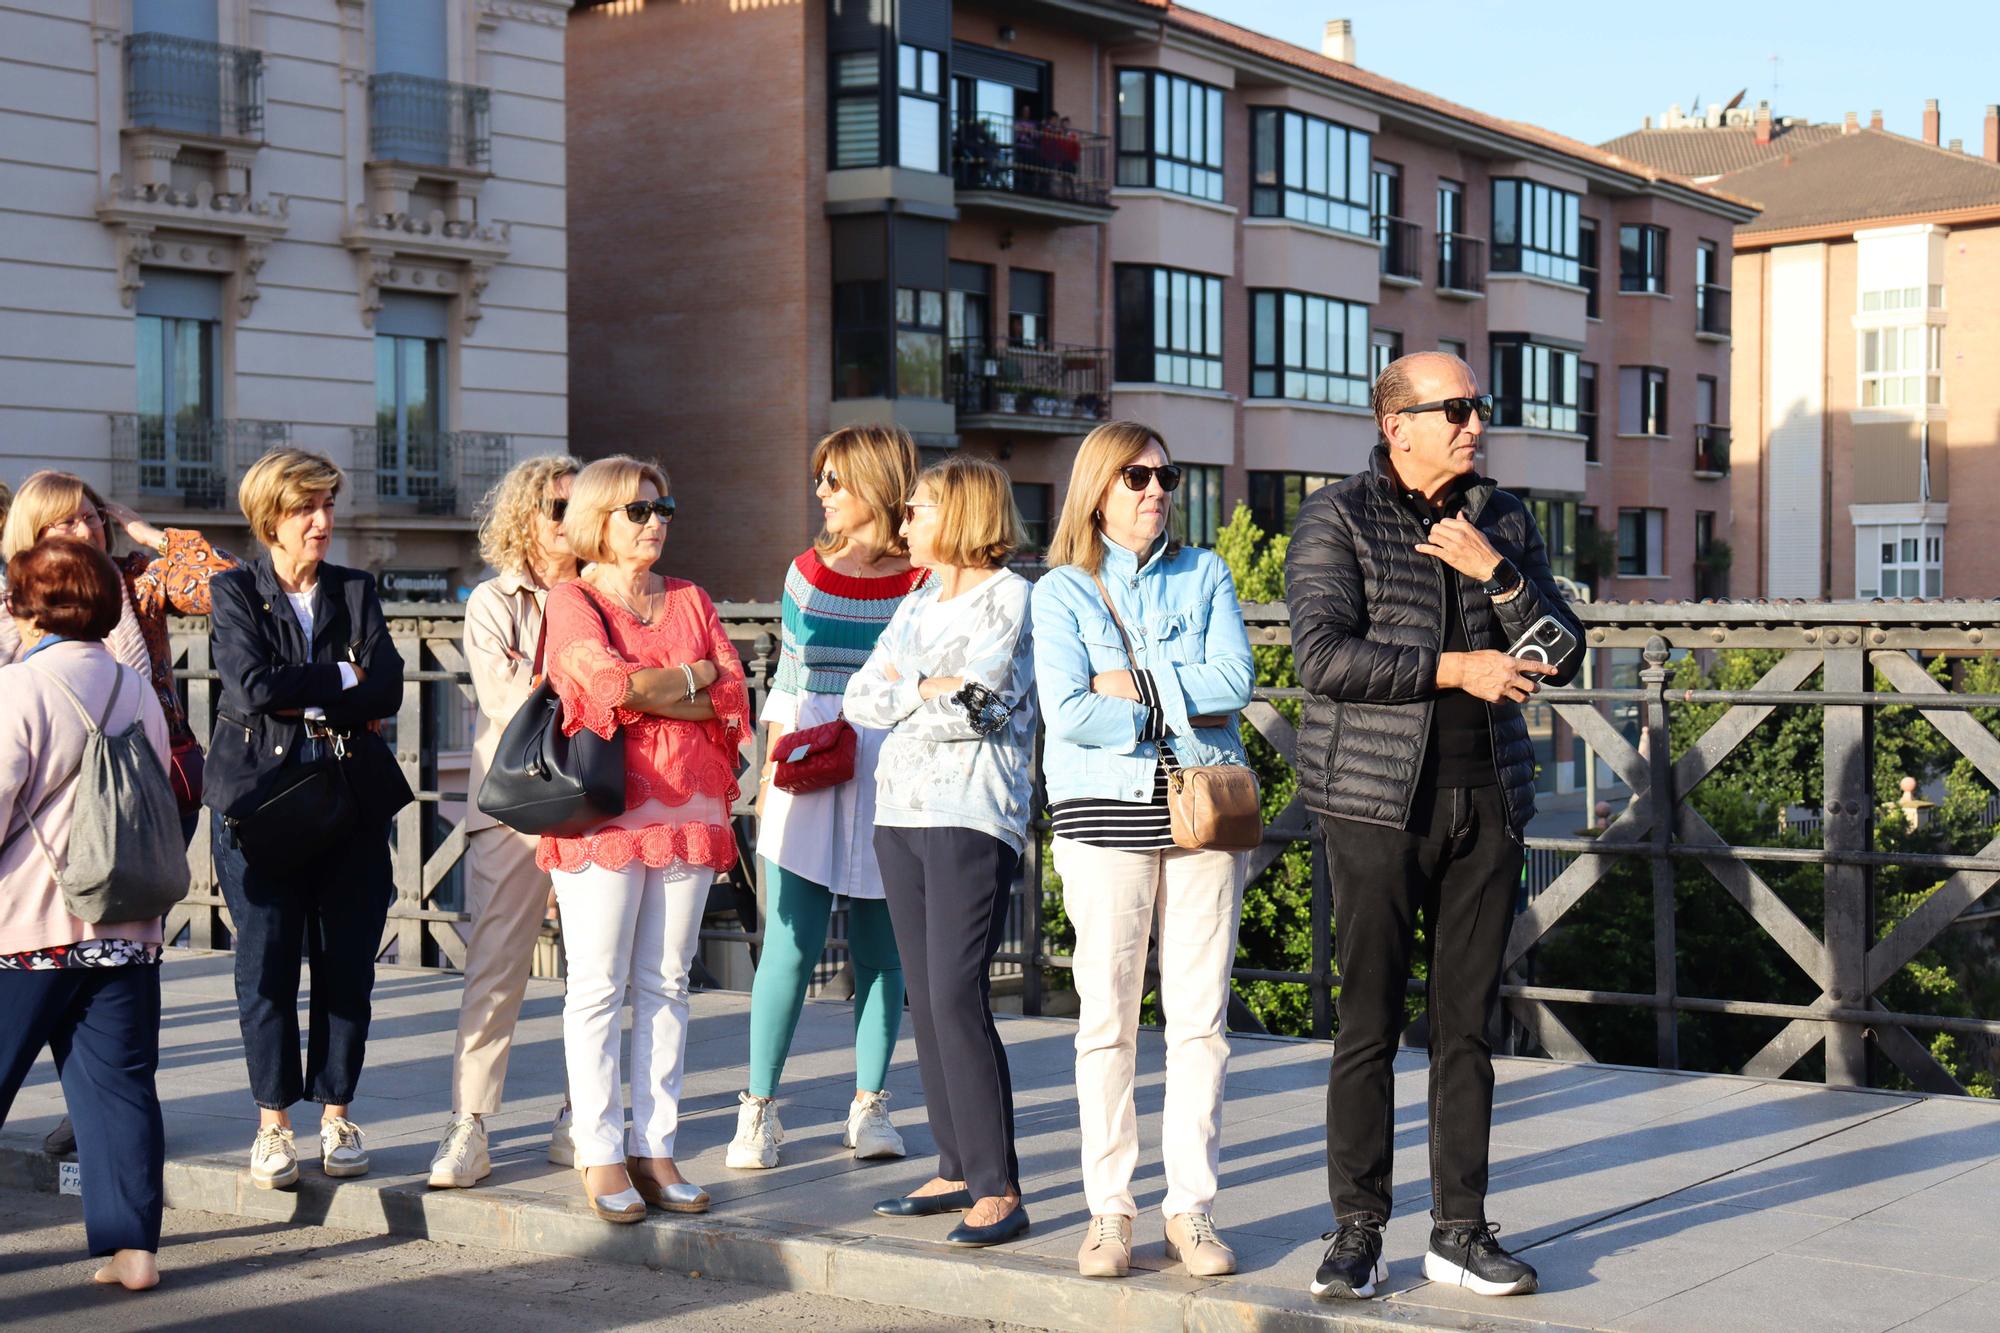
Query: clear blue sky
x,y
1594,71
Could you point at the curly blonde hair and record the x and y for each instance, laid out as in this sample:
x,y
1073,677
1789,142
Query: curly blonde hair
x,y
507,514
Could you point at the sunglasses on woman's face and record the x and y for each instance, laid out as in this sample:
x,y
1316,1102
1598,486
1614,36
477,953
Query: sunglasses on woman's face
x,y
829,479
555,507
1456,410
1138,476
638,509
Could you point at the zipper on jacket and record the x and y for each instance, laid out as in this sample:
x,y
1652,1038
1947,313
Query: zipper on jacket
x,y
1492,737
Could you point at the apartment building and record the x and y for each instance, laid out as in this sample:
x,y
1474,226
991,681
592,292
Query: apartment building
x,y
998,224
1865,298
230,224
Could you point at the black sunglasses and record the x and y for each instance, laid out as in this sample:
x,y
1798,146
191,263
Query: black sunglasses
x,y
1456,410
829,479
638,509
555,508
1138,476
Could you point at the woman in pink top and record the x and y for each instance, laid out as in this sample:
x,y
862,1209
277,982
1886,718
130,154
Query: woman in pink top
x,y
91,991
629,651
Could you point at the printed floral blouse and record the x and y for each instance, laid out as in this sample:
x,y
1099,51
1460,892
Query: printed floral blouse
x,y
176,579
680,776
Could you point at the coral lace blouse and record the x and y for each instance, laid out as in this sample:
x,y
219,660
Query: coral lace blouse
x,y
680,777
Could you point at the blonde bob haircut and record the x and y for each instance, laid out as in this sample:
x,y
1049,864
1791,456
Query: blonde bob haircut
x,y
877,463
45,499
283,482
978,525
600,488
507,514
1113,445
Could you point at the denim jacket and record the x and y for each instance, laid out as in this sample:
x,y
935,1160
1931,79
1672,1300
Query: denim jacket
x,y
1179,605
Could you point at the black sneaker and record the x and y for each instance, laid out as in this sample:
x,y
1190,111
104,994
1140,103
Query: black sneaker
x,y
1466,1255
1353,1263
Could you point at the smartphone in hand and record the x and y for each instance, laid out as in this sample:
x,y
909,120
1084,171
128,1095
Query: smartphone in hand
x,y
1547,640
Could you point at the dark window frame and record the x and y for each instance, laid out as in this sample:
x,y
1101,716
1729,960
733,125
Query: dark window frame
x,y
1589,271
1276,367
1642,258
1640,560
1203,482
918,326
1141,347
1652,411
1586,408
930,89
1541,225
1534,383
1275,159
1140,165
1274,500
842,94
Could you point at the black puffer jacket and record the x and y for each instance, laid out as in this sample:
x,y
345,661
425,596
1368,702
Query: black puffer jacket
x,y
1367,628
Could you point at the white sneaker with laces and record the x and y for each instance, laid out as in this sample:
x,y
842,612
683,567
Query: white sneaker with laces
x,y
868,1130
758,1134
462,1160
341,1152
274,1162
562,1148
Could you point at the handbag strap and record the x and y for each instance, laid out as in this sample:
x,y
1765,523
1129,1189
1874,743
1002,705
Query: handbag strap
x,y
1166,744
42,806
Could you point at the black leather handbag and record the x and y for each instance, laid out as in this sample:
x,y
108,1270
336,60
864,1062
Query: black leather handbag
x,y
544,782
311,806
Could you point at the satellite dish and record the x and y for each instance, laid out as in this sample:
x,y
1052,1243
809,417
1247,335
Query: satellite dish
x,y
1737,100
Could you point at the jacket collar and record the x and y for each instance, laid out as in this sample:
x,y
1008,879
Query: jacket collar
x,y
513,583
327,593
1476,487
1121,563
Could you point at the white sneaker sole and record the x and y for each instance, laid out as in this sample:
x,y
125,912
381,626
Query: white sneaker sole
x,y
1442,1270
343,1171
741,1159
283,1180
875,1152
460,1180
1341,1290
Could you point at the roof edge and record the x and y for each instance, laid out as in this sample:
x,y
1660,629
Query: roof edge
x,y
1844,229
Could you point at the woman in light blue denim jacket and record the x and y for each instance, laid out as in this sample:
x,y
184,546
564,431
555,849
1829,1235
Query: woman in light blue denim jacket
x,y
1117,724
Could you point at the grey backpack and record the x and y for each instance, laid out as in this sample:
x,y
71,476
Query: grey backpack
x,y
125,860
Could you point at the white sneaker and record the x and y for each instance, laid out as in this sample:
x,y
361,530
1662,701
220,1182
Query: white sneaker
x,y
868,1131
462,1160
562,1148
758,1134
341,1153
274,1162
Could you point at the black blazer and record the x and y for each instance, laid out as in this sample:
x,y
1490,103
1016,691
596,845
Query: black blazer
x,y
266,666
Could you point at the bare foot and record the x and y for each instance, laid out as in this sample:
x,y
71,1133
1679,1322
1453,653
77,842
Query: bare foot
x,y
134,1270
660,1169
936,1185
992,1209
607,1180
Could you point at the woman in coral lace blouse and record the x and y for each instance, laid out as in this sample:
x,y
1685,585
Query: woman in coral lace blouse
x,y
636,654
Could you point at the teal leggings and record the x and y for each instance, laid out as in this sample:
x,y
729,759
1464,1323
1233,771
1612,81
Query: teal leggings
x,y
795,920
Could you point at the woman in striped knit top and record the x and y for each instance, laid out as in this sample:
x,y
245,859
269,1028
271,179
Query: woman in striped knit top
x,y
839,596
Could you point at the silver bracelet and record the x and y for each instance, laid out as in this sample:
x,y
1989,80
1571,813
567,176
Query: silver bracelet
x,y
688,672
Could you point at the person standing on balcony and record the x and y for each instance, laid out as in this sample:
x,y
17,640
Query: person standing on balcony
x,y
301,788
1406,583
821,844
1118,721
952,679
630,652
506,893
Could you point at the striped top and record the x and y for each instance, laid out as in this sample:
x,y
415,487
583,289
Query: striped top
x,y
1126,826
831,622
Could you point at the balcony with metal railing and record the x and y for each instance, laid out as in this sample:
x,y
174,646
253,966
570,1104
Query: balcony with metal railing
x,y
189,463
1042,388
1711,312
1461,265
425,122
1711,450
1034,169
184,86
1402,249
426,473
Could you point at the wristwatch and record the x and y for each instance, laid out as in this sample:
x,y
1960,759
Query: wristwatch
x,y
1505,579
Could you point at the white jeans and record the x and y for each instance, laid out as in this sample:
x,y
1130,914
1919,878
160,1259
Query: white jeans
x,y
639,926
1116,899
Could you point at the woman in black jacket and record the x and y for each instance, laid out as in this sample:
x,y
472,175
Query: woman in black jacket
x,y
302,789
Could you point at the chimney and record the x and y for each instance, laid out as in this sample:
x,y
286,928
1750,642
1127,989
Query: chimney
x,y
1991,149
1874,120
1337,43
1852,125
1956,145
1931,122
1763,124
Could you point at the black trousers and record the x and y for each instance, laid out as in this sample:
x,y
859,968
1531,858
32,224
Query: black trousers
x,y
1458,865
103,1026
329,913
947,891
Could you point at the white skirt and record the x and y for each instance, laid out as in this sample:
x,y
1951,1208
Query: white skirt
x,y
826,836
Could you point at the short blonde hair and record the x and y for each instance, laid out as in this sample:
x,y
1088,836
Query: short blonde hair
x,y
45,499
601,487
507,514
978,525
280,483
877,463
1110,447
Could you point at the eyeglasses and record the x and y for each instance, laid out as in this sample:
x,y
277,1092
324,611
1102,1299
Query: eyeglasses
x,y
1456,410
1138,476
557,506
828,478
638,509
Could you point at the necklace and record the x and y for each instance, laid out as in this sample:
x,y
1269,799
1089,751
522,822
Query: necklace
x,y
626,602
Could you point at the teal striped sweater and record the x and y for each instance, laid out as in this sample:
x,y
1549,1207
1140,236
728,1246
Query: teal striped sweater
x,y
831,622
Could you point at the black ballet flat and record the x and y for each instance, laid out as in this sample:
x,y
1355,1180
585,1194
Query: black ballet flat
x,y
1007,1228
927,1205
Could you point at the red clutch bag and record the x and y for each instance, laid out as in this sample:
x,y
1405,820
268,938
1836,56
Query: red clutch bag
x,y
816,758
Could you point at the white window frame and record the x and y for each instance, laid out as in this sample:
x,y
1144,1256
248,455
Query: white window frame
x,y
1918,553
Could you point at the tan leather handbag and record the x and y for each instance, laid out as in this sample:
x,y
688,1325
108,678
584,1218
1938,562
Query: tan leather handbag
x,y
1212,807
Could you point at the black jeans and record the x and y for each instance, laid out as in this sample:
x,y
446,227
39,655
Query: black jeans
x,y
330,913
947,891
1459,865
103,1026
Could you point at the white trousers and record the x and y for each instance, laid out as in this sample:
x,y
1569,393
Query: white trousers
x,y
1116,900
638,926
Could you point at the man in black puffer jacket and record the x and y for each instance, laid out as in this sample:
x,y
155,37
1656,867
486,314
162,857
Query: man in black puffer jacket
x,y
1407,583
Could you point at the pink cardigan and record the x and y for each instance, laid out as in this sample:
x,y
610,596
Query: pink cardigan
x,y
41,744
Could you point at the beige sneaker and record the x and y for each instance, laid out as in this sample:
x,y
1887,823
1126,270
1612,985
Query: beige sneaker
x,y
1107,1247
1191,1239
758,1134
342,1154
868,1130
462,1160
274,1161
